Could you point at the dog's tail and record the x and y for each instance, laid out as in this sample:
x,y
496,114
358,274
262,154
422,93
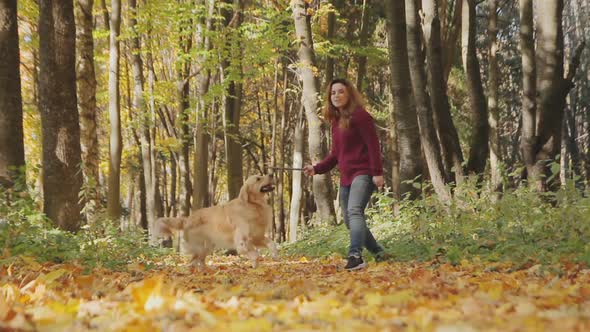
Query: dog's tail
x,y
164,226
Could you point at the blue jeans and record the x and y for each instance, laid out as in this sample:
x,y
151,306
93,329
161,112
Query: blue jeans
x,y
354,200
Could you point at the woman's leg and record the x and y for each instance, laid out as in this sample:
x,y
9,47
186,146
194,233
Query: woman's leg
x,y
357,199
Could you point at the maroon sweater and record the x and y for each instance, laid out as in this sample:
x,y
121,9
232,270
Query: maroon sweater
x,y
355,150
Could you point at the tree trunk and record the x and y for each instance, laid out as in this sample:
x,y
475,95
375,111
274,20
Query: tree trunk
x,y
283,152
182,120
494,115
183,156
233,101
443,121
406,121
450,32
363,40
159,210
478,145
394,150
12,151
424,112
172,204
322,186
116,140
329,37
201,154
551,90
529,85
105,14
87,95
145,121
62,178
297,190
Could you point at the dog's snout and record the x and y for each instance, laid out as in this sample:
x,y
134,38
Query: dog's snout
x,y
270,175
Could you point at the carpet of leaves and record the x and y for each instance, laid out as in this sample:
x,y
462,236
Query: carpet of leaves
x,y
293,294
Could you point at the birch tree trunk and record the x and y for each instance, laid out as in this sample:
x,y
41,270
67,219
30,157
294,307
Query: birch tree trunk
x,y
494,115
322,187
529,85
158,204
139,107
116,139
12,151
62,178
297,191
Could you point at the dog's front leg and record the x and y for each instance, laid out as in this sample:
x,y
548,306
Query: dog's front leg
x,y
244,247
272,246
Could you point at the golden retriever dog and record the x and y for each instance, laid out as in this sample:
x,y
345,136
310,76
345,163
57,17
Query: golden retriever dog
x,y
239,224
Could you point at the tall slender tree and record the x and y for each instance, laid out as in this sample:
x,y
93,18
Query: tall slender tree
x,y
478,145
233,98
310,98
62,177
183,89
447,132
202,136
86,84
12,152
424,111
529,84
405,113
139,108
330,33
543,123
365,30
116,139
297,190
494,116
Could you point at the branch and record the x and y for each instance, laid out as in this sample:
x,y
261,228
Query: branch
x,y
186,79
246,146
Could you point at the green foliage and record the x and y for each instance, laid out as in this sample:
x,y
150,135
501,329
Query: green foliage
x,y
521,227
24,230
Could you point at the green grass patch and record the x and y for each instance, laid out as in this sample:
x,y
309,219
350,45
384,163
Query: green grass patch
x,y
24,231
522,226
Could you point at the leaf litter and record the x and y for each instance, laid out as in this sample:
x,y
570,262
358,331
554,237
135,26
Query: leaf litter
x,y
293,294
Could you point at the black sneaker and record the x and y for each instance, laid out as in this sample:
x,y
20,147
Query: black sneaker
x,y
355,263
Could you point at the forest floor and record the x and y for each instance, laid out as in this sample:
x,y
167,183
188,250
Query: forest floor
x,y
293,294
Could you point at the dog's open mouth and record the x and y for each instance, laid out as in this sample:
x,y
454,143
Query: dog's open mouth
x,y
267,188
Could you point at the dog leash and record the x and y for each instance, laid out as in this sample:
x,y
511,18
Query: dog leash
x,y
287,168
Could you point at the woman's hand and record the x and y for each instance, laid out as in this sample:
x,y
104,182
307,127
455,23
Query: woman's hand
x,y
308,170
379,181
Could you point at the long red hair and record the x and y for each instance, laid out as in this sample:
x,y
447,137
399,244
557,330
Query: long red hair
x,y
332,113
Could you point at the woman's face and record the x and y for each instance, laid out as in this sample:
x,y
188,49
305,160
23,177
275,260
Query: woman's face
x,y
339,95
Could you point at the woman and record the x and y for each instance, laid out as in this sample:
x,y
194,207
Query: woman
x,y
356,151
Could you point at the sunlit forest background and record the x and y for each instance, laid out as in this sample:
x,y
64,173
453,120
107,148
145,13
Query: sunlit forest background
x,y
137,109
114,113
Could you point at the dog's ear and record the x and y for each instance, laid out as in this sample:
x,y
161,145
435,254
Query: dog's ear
x,y
244,196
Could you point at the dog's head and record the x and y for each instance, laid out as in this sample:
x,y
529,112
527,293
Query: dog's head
x,y
255,187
